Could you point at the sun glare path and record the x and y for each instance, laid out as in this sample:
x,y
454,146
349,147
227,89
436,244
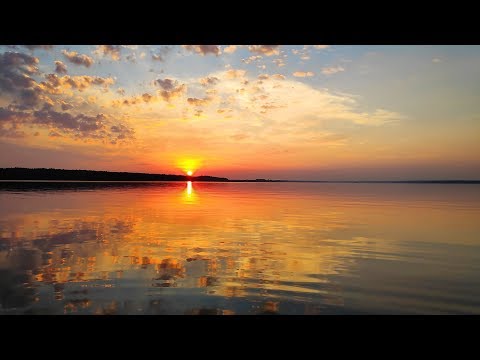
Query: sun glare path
x,y
189,195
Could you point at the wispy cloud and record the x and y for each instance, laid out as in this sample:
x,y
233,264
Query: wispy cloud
x,y
35,47
332,70
251,59
161,54
279,62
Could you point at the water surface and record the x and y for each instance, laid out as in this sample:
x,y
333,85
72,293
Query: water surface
x,y
239,248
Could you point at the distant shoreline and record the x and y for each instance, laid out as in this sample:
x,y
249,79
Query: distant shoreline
x,y
248,181
39,174
60,175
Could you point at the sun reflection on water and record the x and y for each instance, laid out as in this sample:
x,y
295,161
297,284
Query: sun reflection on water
x,y
189,195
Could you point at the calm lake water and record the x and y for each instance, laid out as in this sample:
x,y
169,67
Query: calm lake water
x,y
239,248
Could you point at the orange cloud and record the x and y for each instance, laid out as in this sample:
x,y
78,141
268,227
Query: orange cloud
x,y
303,74
235,74
230,49
170,88
267,50
56,85
60,67
209,80
203,49
252,58
78,59
113,51
199,102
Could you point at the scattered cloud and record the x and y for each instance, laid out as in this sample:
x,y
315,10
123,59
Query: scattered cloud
x,y
279,62
235,73
166,84
436,60
230,49
303,74
321,47
78,59
16,70
57,85
60,67
53,133
147,97
332,70
135,100
209,80
35,47
170,88
161,54
66,106
199,102
203,49
267,50
252,58
112,51
131,58
81,127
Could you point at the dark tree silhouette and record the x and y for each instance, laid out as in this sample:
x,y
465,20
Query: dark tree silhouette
x,y
91,175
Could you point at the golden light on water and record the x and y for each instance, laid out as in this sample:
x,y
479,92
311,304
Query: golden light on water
x,y
241,248
189,195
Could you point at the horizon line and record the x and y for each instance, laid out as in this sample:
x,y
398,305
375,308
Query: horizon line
x,y
249,180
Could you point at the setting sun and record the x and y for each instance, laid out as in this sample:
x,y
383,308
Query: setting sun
x,y
189,165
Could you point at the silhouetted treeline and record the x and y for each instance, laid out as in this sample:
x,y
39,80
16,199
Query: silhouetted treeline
x,y
91,175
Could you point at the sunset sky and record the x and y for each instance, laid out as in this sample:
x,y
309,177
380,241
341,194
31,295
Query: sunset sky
x,y
312,112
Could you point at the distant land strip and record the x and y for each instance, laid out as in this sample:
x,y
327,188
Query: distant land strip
x,y
39,174
93,175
